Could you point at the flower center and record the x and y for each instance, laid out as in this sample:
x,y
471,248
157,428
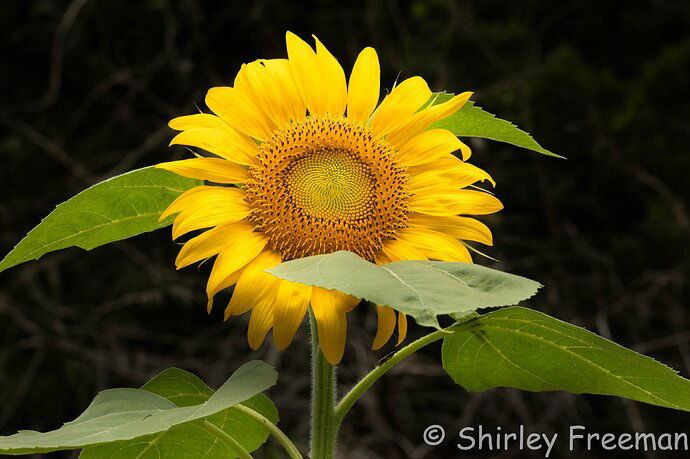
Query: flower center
x,y
325,184
330,182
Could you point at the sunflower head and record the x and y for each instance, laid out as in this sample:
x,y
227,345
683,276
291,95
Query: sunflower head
x,y
307,162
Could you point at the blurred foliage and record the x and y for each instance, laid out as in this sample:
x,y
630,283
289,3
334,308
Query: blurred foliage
x,y
88,87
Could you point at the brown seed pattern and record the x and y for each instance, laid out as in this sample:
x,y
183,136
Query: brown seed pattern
x,y
325,184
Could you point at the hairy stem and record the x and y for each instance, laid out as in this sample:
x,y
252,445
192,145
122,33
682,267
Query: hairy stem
x,y
322,401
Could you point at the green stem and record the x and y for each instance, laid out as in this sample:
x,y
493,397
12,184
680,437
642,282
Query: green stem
x,y
322,400
224,438
290,448
365,383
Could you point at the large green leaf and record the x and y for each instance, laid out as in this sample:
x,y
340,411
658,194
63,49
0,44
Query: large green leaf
x,y
422,289
188,440
472,121
518,347
125,414
114,209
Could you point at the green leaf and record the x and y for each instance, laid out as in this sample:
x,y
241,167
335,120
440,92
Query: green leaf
x,y
472,121
125,414
114,209
180,387
422,289
188,440
525,349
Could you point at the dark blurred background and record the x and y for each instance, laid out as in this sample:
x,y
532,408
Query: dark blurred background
x,y
86,90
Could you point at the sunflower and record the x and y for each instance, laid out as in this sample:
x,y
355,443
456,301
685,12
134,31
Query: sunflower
x,y
308,162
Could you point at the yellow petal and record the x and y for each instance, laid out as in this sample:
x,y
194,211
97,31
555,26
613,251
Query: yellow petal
x,y
212,215
203,196
396,250
211,169
254,284
255,80
386,326
182,201
331,321
240,112
347,302
291,304
449,164
198,120
429,146
435,245
421,120
226,143
211,242
205,245
398,107
402,328
333,79
280,71
260,322
227,282
229,265
306,73
447,172
464,228
234,255
455,202
364,86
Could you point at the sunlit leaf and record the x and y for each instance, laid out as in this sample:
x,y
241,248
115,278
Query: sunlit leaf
x,y
422,289
473,121
115,209
525,349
